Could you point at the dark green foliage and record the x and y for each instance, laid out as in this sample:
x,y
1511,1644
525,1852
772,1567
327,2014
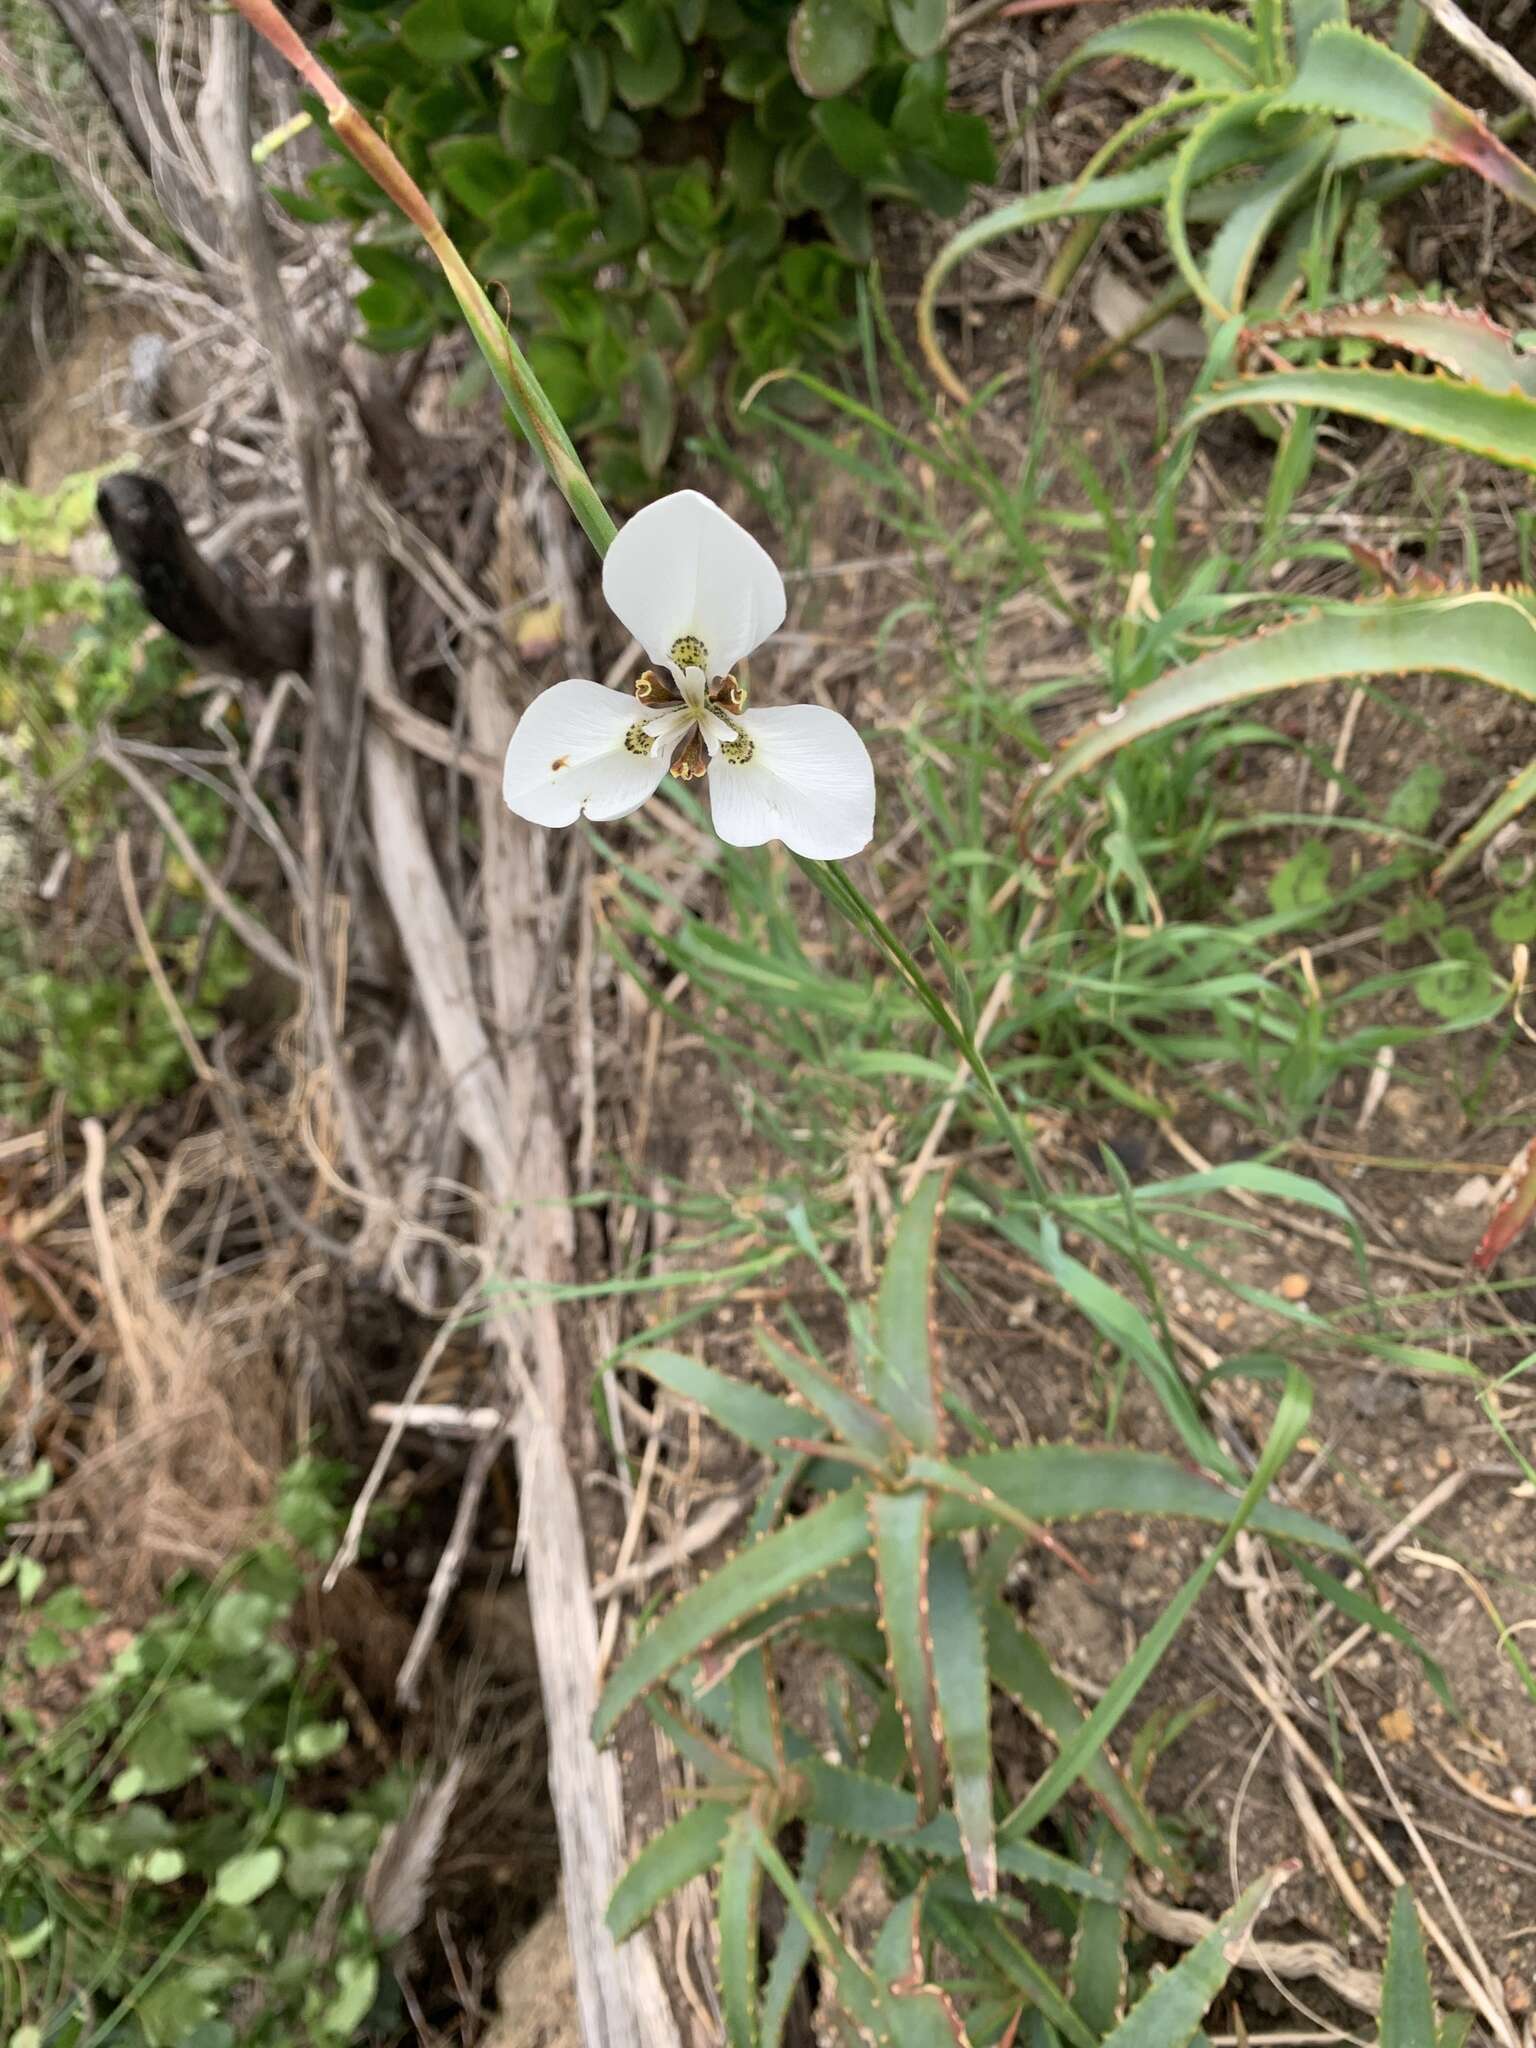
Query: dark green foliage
x,y
667,200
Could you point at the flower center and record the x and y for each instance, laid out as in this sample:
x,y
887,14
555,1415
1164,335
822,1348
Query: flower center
x,y
689,651
689,714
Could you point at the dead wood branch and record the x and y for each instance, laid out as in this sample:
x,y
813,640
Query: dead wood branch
x,y
507,1116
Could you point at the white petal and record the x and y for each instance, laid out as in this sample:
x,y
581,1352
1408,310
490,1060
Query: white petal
x,y
809,782
682,568
568,757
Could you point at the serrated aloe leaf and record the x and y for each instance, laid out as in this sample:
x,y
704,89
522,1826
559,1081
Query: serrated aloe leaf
x,y
865,1808
1488,635
902,1376
791,1558
922,2013
860,1426
1348,74
965,1709
1291,1415
854,1987
685,1849
1099,1970
1407,2003
1169,2014
1239,241
793,1950
751,1413
715,1763
899,1525
736,1922
1500,426
845,1595
1208,48
1461,339
1062,1482
1021,1668
756,1728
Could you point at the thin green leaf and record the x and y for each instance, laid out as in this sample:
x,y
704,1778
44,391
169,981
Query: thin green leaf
x,y
901,1376
1295,1406
860,1426
790,1559
1500,426
965,1710
899,1524
966,1925
683,1850
1350,75
736,1921
854,1987
1407,2003
1359,1608
1169,2014
1489,635
792,1951
756,1730
1021,1669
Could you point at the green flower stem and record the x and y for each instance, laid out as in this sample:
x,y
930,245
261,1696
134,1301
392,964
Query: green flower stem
x,y
542,428
537,419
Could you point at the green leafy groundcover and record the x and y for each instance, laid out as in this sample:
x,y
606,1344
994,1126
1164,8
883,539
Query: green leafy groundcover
x,y
671,195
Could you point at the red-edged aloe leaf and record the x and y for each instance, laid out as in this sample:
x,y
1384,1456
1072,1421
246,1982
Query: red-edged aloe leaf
x,y
1498,425
1407,2002
1022,1670
1350,75
1061,1482
684,1850
716,1763
1460,339
1169,2014
846,1592
922,2013
1513,1214
736,1912
789,1560
869,1809
945,1478
863,1428
902,1374
1098,1952
1208,48
1488,635
757,1417
965,1709
898,1524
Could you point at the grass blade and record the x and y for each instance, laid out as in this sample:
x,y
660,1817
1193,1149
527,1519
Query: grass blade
x,y
899,1529
965,1710
786,1562
793,1949
1295,1406
902,1376
683,1850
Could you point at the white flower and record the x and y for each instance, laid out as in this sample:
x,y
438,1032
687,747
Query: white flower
x,y
699,595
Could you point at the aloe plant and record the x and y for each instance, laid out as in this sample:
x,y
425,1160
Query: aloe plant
x,y
894,1570
1289,135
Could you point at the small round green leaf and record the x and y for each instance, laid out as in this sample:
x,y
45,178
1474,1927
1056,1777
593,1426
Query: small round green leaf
x,y
831,46
920,24
245,1877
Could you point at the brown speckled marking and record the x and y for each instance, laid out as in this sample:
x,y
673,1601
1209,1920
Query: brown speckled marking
x,y
560,761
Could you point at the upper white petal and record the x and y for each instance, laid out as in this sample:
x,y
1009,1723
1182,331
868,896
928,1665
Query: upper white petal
x,y
684,567
810,782
567,757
